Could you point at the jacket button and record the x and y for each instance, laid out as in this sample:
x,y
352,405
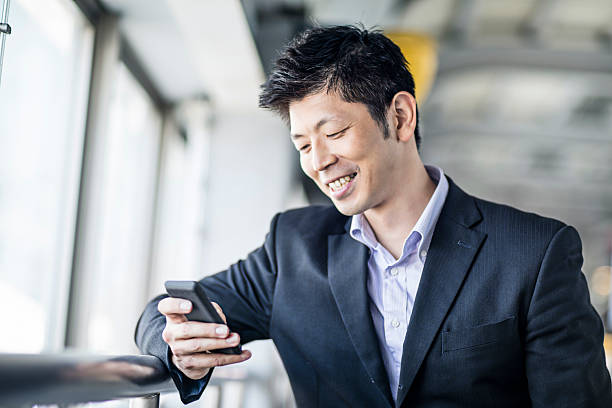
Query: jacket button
x,y
401,387
372,380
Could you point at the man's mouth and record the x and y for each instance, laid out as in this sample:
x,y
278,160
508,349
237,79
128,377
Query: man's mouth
x,y
338,184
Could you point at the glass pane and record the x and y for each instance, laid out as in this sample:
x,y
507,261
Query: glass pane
x,y
117,261
43,98
179,223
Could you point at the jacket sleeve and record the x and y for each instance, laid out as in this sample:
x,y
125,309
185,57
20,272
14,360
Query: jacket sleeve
x,y
245,293
564,356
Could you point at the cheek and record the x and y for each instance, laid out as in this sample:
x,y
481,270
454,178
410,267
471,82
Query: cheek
x,y
306,167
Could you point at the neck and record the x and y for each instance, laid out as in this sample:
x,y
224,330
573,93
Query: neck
x,y
392,221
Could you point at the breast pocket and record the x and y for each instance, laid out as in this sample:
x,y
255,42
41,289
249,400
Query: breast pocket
x,y
483,336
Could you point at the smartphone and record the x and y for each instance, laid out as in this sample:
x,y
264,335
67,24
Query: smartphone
x,y
202,310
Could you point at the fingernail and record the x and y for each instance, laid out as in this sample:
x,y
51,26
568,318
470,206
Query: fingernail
x,y
185,305
221,330
231,338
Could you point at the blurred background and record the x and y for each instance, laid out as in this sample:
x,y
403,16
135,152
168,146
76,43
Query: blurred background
x,y
132,150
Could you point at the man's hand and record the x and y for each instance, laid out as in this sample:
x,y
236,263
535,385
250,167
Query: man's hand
x,y
193,343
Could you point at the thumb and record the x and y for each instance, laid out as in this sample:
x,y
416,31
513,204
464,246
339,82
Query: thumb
x,y
220,311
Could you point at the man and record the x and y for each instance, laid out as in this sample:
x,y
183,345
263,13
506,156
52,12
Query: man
x,y
407,292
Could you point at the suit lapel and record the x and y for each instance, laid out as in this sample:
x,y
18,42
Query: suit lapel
x,y
452,250
347,268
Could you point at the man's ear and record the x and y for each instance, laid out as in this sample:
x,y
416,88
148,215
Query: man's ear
x,y
403,112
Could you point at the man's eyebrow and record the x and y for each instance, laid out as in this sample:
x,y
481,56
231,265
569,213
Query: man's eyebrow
x,y
320,123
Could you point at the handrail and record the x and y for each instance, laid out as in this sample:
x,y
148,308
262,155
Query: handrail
x,y
28,379
5,29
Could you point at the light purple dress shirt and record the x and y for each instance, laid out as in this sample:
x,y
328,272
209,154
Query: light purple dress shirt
x,y
393,283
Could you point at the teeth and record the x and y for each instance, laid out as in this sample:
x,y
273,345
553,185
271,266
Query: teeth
x,y
335,185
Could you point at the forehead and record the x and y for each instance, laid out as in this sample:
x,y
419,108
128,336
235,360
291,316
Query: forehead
x,y
315,110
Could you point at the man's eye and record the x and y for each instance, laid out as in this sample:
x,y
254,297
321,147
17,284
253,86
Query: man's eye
x,y
303,148
338,133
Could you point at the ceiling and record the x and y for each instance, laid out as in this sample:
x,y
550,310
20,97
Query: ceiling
x,y
191,48
222,48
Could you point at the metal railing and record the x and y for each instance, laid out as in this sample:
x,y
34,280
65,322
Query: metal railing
x,y
5,29
31,379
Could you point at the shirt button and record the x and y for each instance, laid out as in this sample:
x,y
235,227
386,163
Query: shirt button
x,y
423,253
395,323
394,271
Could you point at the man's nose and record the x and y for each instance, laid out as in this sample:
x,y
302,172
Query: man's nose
x,y
322,158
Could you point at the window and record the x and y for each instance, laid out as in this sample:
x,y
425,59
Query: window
x,y
119,223
43,96
180,223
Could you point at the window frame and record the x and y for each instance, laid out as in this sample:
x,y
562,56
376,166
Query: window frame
x,y
110,48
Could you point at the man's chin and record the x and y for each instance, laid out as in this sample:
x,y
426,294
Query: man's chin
x,y
346,209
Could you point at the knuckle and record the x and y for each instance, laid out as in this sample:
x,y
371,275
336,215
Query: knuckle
x,y
204,345
177,348
166,335
205,330
193,346
184,330
189,362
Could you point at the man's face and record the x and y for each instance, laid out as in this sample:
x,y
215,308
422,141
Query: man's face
x,y
343,150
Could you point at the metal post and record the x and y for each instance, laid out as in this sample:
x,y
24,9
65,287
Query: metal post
x,y
6,31
148,401
610,293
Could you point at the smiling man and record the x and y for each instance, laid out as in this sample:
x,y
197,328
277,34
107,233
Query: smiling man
x,y
355,161
407,291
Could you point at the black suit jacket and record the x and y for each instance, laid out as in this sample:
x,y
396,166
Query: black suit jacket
x,y
502,316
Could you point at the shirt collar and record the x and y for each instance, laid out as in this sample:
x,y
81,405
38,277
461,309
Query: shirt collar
x,y
361,231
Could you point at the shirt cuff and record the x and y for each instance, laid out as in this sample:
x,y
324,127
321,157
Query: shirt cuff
x,y
189,390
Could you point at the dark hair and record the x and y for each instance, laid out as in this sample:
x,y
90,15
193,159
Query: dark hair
x,y
360,65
